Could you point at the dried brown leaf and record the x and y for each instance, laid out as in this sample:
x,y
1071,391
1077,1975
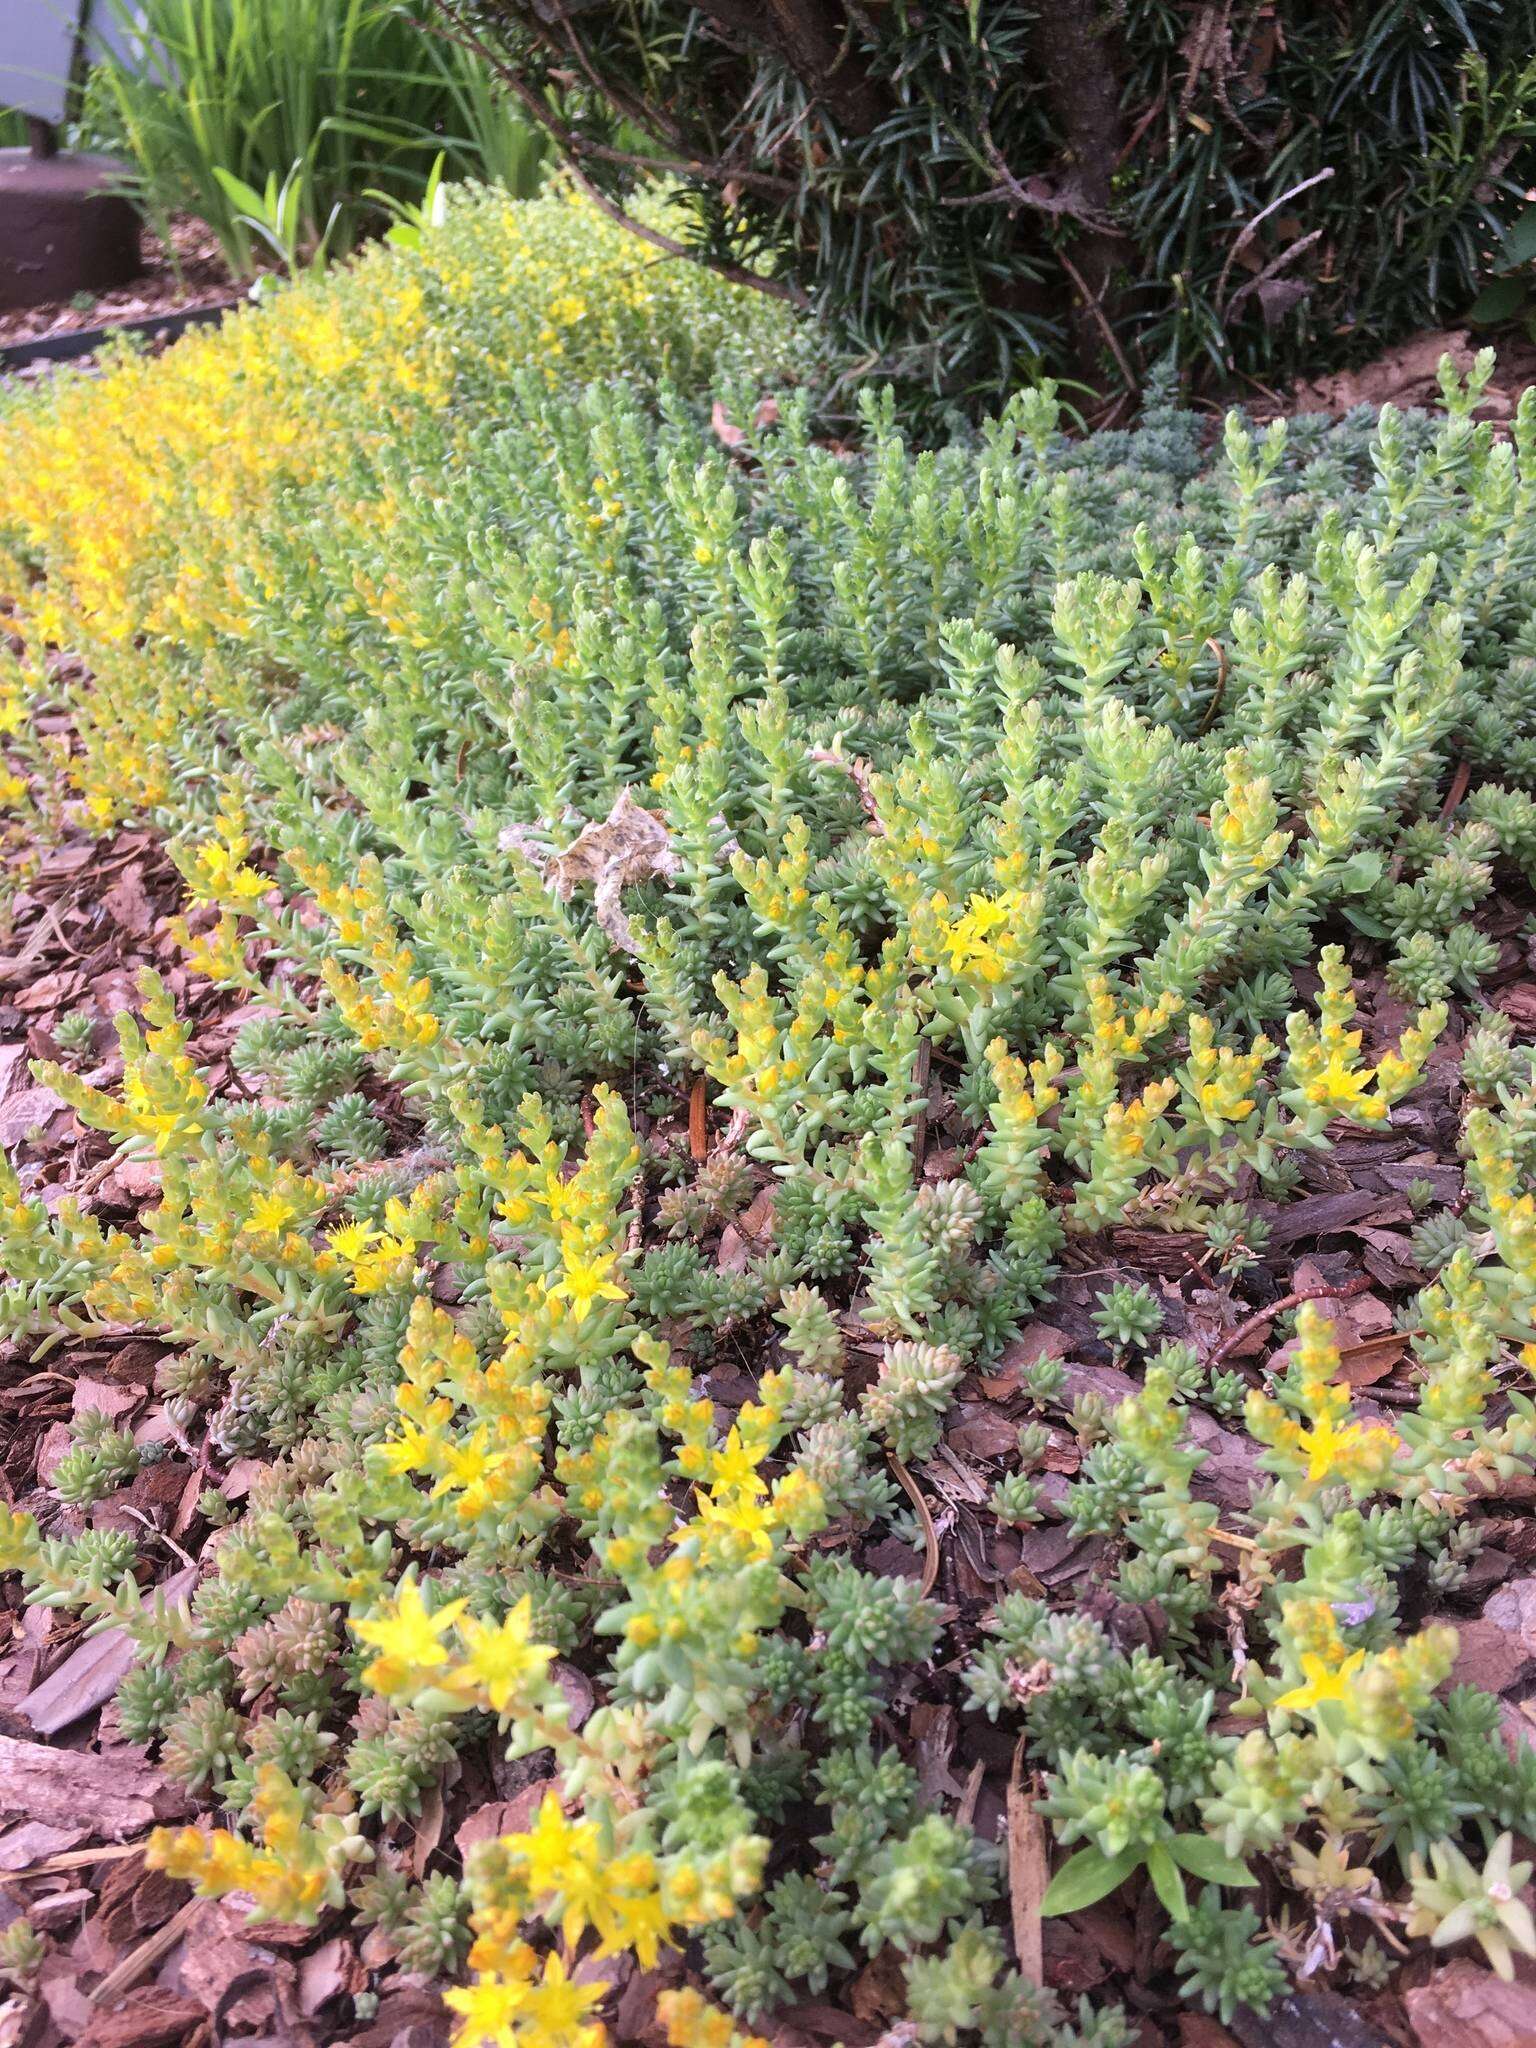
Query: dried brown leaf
x,y
630,845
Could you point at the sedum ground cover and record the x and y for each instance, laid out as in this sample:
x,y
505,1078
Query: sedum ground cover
x,y
726,936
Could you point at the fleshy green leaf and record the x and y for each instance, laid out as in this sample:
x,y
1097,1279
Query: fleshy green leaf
x,y
1208,1861
1166,1881
1085,1878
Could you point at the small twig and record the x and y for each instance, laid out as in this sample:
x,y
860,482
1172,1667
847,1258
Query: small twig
x,y
1246,236
571,146
698,1126
930,1534
143,1959
1456,792
965,1812
1219,692
1100,318
772,287
920,1072
71,1859
1234,1338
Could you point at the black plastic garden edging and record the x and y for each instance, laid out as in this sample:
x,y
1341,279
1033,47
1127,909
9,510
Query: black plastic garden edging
x,y
85,341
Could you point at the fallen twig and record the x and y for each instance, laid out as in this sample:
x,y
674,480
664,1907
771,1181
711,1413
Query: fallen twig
x,y
1233,1338
930,1535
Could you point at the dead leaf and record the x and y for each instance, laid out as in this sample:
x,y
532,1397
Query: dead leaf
x,y
630,845
1074,1961
831,2023
1513,1607
933,1739
1039,1340
330,1971
54,991
127,904
133,1901
502,1817
1373,1359
131,1180
59,1989
1518,1003
756,1221
88,1677
56,1912
1403,376
726,433
1168,1252
1314,2019
1387,1256
1491,1656
1199,2030
980,1430
429,1831
577,1687
1314,1216
411,2017
879,1992
56,1443
24,1847
100,1397
224,1969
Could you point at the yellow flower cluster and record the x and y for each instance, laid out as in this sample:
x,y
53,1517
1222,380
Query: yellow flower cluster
x,y
566,1872
1325,1075
158,496
1511,1204
1324,1448
392,1007
488,1664
527,2003
1221,1079
985,943
297,1873
476,1433
692,2023
1373,1697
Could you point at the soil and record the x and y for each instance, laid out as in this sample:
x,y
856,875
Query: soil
x,y
1405,375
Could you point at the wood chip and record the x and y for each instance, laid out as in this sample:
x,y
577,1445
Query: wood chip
x,y
1028,1871
58,1786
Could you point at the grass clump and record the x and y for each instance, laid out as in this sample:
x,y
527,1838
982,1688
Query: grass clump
x,y
347,101
981,836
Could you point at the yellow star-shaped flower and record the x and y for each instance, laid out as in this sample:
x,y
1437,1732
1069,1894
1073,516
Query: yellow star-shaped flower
x,y
408,1639
585,1279
500,1659
1321,1682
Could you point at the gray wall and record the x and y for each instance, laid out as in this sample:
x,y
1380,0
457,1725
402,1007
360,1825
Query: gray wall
x,y
37,40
